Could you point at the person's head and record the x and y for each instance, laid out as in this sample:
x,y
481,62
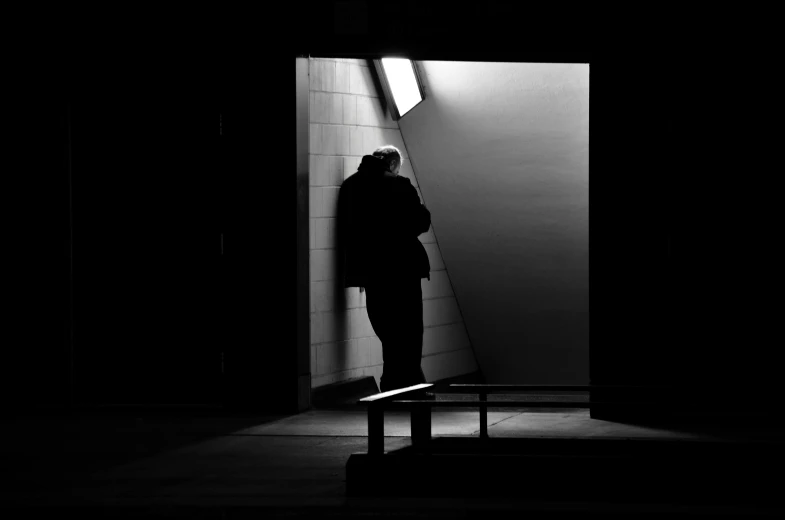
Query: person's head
x,y
391,156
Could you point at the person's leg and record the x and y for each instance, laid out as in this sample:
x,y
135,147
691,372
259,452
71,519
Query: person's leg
x,y
395,311
409,329
380,308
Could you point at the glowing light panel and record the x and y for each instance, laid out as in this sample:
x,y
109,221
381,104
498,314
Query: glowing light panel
x,y
403,83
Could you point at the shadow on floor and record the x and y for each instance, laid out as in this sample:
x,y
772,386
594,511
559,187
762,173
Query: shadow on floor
x,y
738,427
81,443
531,511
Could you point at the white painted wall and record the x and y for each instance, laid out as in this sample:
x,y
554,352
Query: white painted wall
x,y
501,152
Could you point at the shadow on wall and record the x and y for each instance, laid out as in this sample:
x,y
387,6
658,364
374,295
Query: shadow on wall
x,y
342,313
377,85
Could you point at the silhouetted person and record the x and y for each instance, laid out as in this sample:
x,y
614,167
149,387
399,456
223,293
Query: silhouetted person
x,y
379,219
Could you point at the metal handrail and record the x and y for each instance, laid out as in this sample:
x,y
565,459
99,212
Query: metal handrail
x,y
390,395
496,389
421,409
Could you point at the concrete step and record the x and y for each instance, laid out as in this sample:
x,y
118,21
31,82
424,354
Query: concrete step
x,y
600,470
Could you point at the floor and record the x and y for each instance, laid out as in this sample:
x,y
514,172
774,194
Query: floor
x,y
230,467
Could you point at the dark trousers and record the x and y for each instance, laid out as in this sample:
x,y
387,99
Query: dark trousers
x,y
394,308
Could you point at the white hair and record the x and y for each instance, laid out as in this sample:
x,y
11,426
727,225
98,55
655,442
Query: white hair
x,y
389,153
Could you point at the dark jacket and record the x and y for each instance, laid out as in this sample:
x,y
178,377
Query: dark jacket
x,y
379,219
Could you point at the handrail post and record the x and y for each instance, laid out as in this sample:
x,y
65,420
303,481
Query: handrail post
x,y
375,429
376,405
421,425
483,416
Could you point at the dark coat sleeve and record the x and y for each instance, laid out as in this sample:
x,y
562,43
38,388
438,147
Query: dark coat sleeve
x,y
417,219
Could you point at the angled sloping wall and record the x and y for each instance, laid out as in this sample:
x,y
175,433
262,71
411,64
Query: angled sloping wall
x,y
347,121
501,154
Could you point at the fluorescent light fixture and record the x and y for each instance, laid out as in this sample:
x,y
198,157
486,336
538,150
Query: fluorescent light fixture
x,y
400,83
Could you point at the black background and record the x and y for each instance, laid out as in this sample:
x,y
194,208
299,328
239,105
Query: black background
x,y
684,230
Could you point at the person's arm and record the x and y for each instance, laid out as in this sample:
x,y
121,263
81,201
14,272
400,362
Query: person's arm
x,y
424,220
417,218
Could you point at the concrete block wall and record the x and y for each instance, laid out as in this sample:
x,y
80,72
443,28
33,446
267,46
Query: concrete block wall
x,y
347,121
